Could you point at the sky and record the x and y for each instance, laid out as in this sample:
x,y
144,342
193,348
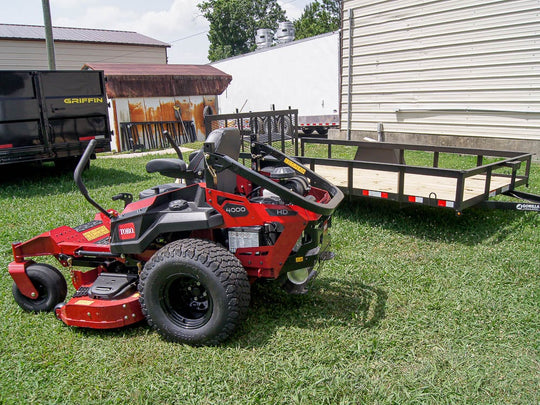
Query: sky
x,y
176,22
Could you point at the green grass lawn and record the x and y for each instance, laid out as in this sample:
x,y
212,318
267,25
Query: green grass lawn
x,y
418,306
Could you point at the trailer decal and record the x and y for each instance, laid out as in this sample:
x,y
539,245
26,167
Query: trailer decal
x,y
528,207
83,100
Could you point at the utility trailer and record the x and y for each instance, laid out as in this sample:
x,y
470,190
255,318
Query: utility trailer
x,y
52,115
378,170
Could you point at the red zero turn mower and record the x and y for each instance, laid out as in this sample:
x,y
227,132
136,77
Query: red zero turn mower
x,y
183,256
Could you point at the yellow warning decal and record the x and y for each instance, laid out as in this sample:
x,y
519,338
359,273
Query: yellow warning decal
x,y
84,302
299,259
295,166
96,233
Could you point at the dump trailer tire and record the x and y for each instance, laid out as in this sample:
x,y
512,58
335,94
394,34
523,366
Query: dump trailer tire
x,y
194,291
50,284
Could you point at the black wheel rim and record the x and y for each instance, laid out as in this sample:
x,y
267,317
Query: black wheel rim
x,y
186,302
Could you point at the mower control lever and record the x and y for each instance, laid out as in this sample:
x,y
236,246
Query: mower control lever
x,y
77,176
126,197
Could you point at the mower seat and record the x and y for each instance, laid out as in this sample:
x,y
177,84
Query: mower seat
x,y
227,142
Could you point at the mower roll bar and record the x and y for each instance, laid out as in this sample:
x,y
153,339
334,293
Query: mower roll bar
x,y
222,162
77,176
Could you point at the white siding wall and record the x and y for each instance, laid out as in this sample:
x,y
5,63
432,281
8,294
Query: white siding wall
x,y
303,74
453,67
23,55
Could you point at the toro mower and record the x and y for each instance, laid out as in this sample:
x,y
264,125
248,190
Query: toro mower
x,y
184,254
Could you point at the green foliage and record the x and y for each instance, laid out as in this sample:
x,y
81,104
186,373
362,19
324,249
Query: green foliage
x,y
234,23
318,18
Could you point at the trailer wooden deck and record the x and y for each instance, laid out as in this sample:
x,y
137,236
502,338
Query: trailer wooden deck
x,y
419,185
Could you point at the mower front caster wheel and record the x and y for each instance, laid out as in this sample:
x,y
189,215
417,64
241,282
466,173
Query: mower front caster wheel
x,y
50,285
194,291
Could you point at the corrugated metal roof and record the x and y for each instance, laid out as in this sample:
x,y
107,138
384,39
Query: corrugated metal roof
x,y
126,69
149,80
37,32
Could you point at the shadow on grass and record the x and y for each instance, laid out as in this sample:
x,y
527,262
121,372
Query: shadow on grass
x,y
31,180
472,227
329,303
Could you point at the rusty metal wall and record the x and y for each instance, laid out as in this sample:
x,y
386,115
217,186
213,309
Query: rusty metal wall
x,y
156,109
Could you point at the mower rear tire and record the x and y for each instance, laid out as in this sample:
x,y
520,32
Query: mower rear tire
x,y
50,284
194,291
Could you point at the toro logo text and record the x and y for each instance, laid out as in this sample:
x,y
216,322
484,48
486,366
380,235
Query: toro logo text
x,y
127,231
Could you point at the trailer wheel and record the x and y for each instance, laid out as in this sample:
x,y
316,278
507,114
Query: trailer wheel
x,y
194,291
322,131
307,131
69,164
50,284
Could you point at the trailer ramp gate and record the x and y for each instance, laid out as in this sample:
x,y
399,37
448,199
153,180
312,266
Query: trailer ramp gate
x,y
278,128
51,115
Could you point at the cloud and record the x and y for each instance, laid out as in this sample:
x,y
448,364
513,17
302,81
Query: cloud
x,y
293,10
177,22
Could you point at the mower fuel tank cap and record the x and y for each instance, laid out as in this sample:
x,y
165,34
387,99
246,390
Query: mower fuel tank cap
x,y
282,172
178,205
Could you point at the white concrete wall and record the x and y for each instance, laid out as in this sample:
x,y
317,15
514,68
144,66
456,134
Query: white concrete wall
x,y
25,55
302,74
452,67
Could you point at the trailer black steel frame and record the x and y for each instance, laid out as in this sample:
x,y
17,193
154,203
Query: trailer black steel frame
x,y
512,160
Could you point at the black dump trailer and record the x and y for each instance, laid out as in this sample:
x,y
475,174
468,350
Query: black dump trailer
x,y
51,115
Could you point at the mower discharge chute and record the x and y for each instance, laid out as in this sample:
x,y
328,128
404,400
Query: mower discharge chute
x,y
183,255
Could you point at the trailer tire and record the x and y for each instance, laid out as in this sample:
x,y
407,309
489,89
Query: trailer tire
x,y
68,164
322,131
194,291
307,131
50,284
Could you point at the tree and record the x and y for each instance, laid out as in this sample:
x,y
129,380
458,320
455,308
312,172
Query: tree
x,y
318,18
234,23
